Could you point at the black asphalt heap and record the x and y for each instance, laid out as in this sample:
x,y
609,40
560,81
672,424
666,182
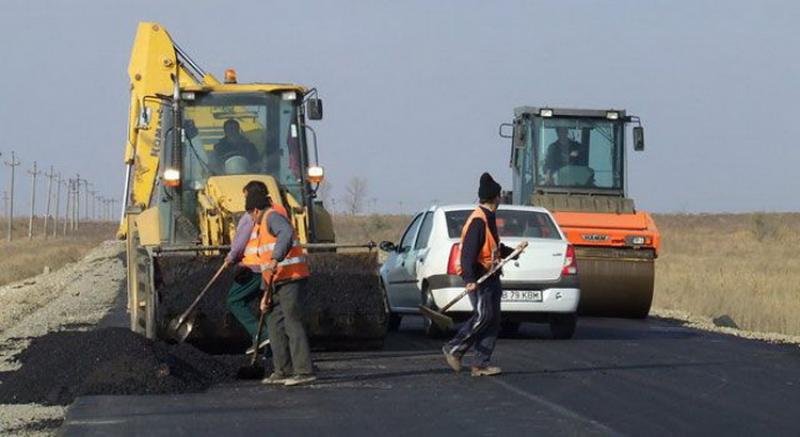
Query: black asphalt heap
x,y
62,365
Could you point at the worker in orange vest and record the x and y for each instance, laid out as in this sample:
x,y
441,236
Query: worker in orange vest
x,y
284,267
247,281
480,251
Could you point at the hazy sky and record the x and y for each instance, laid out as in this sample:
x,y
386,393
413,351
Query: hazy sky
x,y
414,91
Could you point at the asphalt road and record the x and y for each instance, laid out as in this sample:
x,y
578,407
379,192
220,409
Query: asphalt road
x,y
617,377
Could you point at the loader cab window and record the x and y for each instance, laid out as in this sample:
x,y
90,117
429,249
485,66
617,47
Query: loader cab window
x,y
233,134
578,153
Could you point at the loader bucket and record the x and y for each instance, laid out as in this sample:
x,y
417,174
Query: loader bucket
x,y
343,305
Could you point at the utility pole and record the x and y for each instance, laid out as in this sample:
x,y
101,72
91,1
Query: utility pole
x,y
59,183
13,163
77,200
69,217
92,214
86,195
111,211
50,177
33,172
68,193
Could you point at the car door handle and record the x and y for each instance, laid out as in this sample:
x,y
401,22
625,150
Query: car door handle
x,y
421,260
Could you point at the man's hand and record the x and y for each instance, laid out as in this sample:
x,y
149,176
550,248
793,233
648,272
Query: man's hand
x,y
272,266
264,304
471,287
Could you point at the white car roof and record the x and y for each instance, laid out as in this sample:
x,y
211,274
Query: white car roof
x,y
467,206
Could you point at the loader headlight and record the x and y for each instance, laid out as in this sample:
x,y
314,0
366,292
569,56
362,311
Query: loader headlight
x,y
545,112
316,174
612,115
172,177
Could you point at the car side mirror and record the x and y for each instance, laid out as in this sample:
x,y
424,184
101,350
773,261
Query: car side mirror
x,y
314,109
387,246
638,138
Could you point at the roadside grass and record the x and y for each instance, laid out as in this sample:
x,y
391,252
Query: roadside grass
x,y
743,268
22,258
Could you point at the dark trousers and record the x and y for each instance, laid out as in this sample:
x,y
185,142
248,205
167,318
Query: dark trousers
x,y
482,329
287,335
245,289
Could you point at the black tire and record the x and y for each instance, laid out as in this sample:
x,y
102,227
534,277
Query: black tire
x,y
509,328
562,326
430,328
394,321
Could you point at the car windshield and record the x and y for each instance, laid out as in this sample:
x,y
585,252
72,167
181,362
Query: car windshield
x,y
229,134
511,223
578,153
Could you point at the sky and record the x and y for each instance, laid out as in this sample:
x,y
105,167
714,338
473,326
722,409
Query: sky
x,y
414,91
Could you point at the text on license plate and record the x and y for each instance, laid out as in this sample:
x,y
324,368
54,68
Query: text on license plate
x,y
522,295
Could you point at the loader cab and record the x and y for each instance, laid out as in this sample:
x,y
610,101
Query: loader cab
x,y
226,133
557,152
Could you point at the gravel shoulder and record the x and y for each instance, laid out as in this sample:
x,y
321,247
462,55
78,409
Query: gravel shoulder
x,y
75,297
717,325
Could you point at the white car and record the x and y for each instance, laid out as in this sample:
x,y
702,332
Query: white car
x,y
540,286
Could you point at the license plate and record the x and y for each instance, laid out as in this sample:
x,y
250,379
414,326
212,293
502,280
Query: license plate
x,y
522,295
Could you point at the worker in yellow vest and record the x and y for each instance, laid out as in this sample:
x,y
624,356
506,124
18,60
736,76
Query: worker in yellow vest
x,y
480,251
284,266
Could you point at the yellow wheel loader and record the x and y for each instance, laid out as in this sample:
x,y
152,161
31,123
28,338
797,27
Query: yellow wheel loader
x,y
193,143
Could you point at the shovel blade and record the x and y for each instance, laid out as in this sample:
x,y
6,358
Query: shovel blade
x,y
179,332
444,322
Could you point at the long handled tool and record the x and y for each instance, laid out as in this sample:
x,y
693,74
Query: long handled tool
x,y
446,322
254,370
179,328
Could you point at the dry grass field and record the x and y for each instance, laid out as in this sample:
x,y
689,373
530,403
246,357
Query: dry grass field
x,y
743,266
22,258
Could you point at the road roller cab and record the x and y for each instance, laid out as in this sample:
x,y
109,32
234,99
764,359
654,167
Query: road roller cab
x,y
573,162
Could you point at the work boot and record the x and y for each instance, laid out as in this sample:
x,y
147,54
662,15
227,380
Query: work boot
x,y
275,378
453,360
486,371
261,345
299,379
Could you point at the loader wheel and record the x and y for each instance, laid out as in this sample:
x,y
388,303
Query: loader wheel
x,y
430,328
394,321
562,326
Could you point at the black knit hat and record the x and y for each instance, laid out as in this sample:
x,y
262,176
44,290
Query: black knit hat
x,y
256,199
489,189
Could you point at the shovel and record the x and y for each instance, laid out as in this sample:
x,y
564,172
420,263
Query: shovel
x,y
255,371
446,322
179,328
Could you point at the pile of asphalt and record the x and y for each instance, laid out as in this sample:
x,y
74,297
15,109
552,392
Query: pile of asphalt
x,y
60,366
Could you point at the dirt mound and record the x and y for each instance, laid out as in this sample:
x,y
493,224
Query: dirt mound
x,y
59,366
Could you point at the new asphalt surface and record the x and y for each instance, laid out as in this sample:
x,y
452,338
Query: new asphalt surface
x,y
616,377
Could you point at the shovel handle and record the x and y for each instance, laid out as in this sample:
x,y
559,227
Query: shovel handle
x,y
191,308
519,249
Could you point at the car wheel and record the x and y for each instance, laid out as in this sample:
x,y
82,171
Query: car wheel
x,y
431,329
509,328
562,326
394,321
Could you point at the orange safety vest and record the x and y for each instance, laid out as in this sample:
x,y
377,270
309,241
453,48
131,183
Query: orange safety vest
x,y
294,266
490,252
251,257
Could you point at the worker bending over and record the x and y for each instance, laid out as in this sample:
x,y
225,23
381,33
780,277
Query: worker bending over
x,y
284,266
480,251
244,251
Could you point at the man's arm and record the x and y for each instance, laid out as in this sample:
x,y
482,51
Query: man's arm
x,y
243,230
473,241
280,227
